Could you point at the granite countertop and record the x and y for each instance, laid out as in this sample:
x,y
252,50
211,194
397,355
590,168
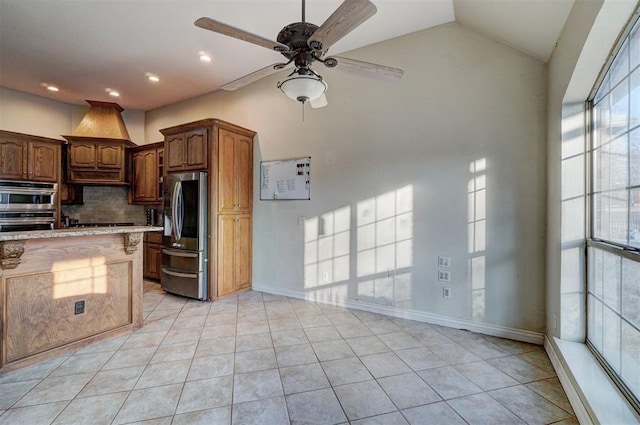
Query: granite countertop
x,y
74,232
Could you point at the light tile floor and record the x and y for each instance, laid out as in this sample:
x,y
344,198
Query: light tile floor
x,y
263,359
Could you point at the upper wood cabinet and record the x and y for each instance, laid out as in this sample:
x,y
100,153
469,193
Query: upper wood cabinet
x,y
25,157
187,151
235,162
146,180
96,161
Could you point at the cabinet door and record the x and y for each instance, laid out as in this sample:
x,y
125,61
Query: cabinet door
x,y
13,160
226,255
109,156
150,176
82,155
145,180
152,260
137,158
234,253
235,172
44,161
226,172
242,252
195,155
174,152
243,160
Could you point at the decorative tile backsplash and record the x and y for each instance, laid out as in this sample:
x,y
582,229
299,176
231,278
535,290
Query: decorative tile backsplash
x,y
106,204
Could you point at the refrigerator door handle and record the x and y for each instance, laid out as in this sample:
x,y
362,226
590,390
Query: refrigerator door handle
x,y
177,210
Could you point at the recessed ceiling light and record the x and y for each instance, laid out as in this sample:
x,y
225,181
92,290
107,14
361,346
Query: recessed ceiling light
x,y
50,87
112,92
152,77
204,57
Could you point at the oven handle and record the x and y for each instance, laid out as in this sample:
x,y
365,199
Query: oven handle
x,y
26,220
177,274
178,253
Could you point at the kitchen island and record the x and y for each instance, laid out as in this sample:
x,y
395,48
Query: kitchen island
x,y
63,289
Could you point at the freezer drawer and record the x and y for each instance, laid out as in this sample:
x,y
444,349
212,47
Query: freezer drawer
x,y
183,260
192,285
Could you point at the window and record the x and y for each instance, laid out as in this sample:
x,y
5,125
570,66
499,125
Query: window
x,y
613,289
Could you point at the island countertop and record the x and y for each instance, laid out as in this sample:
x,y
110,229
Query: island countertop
x,y
75,231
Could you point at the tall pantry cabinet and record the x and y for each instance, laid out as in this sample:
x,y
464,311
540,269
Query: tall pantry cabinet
x,y
225,151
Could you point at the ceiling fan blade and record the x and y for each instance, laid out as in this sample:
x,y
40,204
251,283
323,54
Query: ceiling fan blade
x,y
254,76
369,69
320,102
228,30
342,21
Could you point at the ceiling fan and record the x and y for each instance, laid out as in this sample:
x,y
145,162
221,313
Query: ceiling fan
x,y
302,44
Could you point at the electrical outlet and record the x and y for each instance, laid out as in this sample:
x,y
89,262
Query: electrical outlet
x,y
444,275
79,307
444,261
325,276
446,292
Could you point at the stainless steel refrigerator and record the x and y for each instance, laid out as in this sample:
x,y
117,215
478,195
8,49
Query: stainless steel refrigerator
x,y
186,234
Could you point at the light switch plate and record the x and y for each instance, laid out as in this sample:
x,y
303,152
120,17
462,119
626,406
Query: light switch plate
x,y
444,261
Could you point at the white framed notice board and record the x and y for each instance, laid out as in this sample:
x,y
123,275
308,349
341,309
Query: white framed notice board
x,y
285,179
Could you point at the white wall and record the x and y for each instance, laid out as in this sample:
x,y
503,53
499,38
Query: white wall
x,y
25,113
404,151
29,114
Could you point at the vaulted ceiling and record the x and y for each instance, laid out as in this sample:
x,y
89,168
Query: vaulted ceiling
x,y
85,47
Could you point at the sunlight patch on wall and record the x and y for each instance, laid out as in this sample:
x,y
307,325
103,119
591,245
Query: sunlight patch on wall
x,y
326,249
477,213
385,247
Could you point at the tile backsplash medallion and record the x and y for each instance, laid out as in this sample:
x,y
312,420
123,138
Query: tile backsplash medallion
x,y
106,204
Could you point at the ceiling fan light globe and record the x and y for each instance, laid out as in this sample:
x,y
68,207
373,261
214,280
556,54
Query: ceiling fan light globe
x,y
303,87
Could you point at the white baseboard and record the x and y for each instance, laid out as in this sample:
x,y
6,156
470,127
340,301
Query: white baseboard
x,y
421,316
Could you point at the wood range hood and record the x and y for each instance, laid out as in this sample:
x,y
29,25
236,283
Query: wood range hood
x,y
96,149
102,121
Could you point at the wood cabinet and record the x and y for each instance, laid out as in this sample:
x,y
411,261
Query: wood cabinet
x,y
146,179
226,151
235,166
152,255
234,253
25,157
187,151
93,161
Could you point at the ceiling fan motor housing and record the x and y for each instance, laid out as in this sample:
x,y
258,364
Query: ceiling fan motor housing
x,y
295,36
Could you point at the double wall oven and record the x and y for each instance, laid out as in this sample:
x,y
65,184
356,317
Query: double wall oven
x,y
185,236
27,205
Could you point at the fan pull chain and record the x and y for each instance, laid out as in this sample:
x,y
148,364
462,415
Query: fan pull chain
x,y
302,111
